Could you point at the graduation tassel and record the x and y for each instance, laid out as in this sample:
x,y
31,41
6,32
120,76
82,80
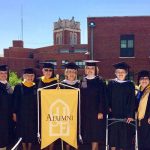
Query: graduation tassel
x,y
139,123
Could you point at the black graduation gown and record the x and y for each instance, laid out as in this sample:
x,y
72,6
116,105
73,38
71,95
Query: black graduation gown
x,y
92,103
144,130
25,106
121,97
5,113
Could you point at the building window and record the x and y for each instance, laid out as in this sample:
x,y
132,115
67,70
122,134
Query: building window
x,y
63,62
123,44
73,38
80,63
64,51
127,46
59,38
31,55
130,44
80,51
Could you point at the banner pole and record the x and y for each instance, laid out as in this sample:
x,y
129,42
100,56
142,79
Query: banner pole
x,y
80,137
62,145
38,114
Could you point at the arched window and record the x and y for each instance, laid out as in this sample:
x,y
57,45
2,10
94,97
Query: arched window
x,y
73,38
59,38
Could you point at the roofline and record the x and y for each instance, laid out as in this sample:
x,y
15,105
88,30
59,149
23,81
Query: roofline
x,y
62,45
117,16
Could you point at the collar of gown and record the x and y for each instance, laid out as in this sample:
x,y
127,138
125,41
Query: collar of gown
x,y
3,82
70,82
90,77
120,81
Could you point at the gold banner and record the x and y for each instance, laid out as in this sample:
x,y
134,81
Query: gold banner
x,y
59,116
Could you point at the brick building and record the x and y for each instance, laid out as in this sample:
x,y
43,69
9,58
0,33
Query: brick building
x,y
115,39
66,48
110,40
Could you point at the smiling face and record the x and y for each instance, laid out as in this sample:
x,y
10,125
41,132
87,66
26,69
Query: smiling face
x,y
121,74
47,72
3,75
144,82
29,77
71,74
90,70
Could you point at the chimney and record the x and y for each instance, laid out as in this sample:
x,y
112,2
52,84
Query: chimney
x,y
17,43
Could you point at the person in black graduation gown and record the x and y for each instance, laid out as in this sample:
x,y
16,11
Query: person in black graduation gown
x,y
92,106
121,96
71,70
143,98
47,79
5,107
25,109
70,73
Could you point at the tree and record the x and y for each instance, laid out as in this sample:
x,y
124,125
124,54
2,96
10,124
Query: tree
x,y
14,79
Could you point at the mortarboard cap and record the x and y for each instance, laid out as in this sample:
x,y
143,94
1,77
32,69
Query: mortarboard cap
x,y
28,71
47,65
143,73
71,65
91,62
121,65
3,67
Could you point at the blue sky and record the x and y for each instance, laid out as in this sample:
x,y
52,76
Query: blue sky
x,y
39,15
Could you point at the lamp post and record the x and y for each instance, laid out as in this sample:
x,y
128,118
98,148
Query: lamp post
x,y
92,25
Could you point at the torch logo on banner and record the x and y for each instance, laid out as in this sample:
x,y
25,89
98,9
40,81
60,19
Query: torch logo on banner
x,y
59,118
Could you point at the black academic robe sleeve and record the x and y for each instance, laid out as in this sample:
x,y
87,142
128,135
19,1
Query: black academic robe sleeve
x,y
108,96
102,95
148,107
131,101
16,98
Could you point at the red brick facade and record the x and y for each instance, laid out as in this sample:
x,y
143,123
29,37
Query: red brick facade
x,y
66,47
106,36
106,42
17,57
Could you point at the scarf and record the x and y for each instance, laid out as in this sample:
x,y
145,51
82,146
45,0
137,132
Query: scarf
x,y
28,84
143,104
47,80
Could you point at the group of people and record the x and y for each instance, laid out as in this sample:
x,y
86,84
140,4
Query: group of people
x,y
116,97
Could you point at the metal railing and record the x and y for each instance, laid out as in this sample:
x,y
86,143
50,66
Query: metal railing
x,y
116,120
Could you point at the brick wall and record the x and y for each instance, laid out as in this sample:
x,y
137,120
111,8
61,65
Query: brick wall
x,y
106,41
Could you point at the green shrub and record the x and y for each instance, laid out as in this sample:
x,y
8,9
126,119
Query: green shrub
x,y
14,79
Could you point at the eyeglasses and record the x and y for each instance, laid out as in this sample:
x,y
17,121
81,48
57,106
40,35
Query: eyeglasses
x,y
144,78
3,72
90,68
50,70
120,72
